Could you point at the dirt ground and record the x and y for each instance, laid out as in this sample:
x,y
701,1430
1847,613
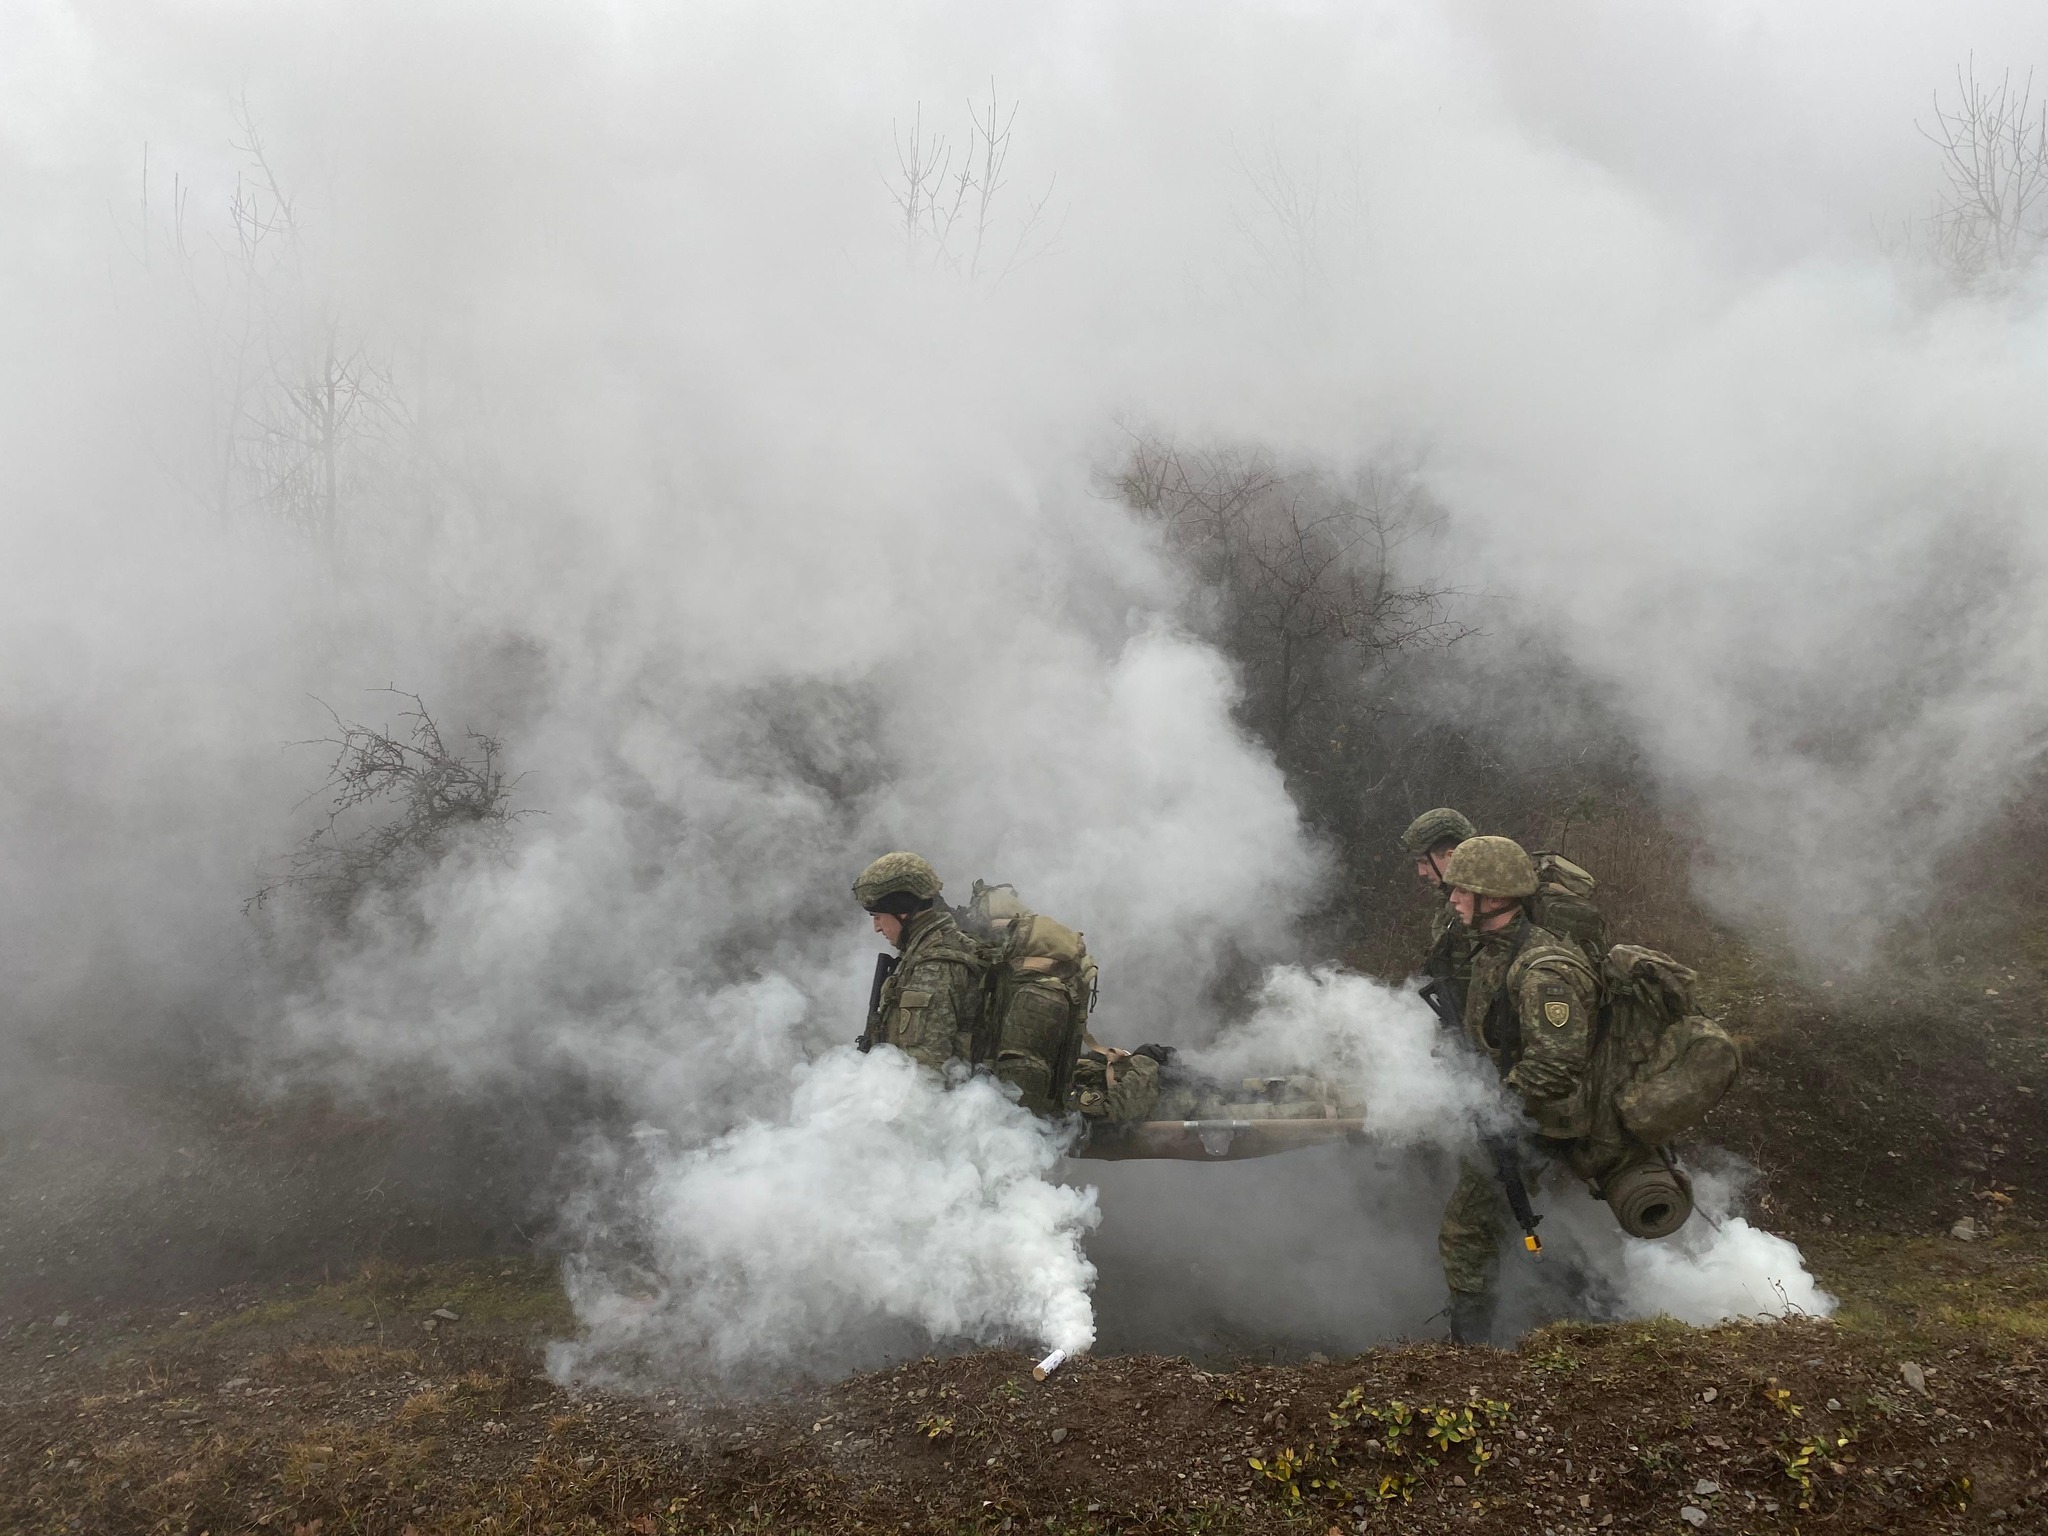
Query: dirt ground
x,y
413,1400
375,1363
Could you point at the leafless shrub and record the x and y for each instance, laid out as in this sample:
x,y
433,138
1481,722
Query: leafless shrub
x,y
948,196
1994,159
303,415
1301,569
438,798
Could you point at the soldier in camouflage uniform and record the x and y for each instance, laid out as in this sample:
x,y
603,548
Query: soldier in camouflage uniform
x,y
933,1004
930,1003
1528,1000
1432,838
1430,841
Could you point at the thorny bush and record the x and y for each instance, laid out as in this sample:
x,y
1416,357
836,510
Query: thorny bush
x,y
440,796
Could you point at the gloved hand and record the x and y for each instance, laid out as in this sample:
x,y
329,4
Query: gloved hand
x,y
1159,1053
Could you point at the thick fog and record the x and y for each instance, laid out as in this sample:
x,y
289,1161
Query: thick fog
x,y
765,525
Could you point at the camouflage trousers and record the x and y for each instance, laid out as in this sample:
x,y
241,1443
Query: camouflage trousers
x,y
1474,1222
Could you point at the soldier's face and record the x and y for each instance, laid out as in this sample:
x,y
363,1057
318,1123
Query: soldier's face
x,y
1485,913
1429,867
890,927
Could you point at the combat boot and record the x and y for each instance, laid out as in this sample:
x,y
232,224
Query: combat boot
x,y
1472,1317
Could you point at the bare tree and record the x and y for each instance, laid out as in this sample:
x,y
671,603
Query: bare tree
x,y
1301,569
438,797
1283,228
301,415
1994,159
922,163
949,197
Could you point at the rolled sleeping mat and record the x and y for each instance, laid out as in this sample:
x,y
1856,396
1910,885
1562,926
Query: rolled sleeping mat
x,y
1650,1199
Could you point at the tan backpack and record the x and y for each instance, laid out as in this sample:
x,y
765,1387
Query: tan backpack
x,y
1027,955
1563,905
1660,1065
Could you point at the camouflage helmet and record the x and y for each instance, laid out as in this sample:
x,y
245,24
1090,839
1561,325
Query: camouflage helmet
x,y
895,873
1492,866
1432,828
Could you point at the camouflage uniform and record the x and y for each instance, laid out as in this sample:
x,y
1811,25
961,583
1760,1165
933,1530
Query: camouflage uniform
x,y
1450,956
1114,1086
993,984
1530,1006
929,1006
1527,999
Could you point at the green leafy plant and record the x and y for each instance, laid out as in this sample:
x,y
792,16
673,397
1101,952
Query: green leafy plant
x,y
1414,1438
1556,1361
1804,1459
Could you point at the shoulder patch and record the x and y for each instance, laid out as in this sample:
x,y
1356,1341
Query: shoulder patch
x,y
1557,1014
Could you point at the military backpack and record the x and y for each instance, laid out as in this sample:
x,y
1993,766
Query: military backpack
x,y
1659,1064
1038,985
1563,905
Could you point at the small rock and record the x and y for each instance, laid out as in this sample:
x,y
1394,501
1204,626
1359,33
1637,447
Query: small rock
x,y
1316,1357
1693,1516
1913,1377
235,1381
445,1315
1705,1488
369,1323
430,1325
63,1320
1966,1230
1709,1395
1834,1405
1058,1435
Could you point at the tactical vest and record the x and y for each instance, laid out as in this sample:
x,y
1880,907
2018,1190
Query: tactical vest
x,y
1501,1028
940,941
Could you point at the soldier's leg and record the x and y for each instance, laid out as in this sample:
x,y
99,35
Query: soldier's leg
x,y
1468,1242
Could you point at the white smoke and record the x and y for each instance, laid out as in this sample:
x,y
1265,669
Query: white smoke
x,y
1714,1268
1419,1089
882,1198
770,542
1381,1045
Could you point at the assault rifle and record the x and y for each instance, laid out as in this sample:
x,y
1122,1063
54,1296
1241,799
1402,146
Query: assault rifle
x,y
1507,1165
885,967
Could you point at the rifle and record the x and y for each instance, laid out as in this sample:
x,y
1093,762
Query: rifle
x,y
1507,1166
885,967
